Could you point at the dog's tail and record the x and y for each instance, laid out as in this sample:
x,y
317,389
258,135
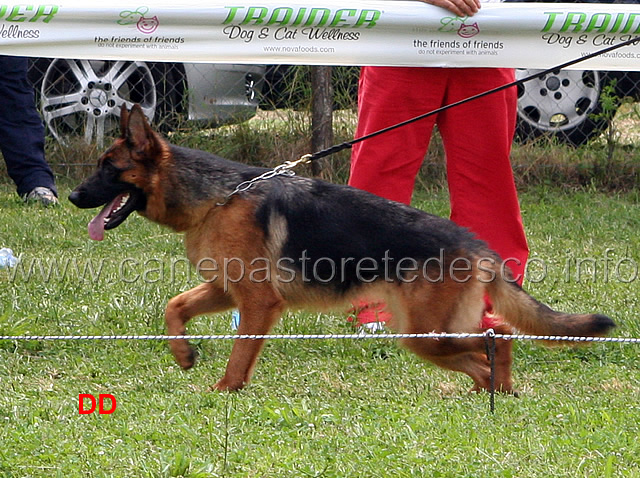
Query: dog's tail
x,y
529,316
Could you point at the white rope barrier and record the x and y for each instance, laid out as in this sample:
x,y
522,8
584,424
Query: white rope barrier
x,y
355,336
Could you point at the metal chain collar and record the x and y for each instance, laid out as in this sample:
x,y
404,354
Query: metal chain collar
x,y
285,169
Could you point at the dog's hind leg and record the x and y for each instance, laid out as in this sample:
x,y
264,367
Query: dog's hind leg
x,y
477,365
260,307
455,308
468,356
203,299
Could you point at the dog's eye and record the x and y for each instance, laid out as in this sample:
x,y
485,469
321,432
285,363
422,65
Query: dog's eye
x,y
111,171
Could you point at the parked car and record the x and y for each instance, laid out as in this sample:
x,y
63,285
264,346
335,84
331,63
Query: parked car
x,y
568,104
83,97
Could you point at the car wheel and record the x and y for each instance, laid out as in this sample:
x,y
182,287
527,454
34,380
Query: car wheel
x,y
84,97
566,104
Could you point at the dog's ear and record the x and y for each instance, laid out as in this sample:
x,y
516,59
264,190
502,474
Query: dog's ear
x,y
138,133
124,120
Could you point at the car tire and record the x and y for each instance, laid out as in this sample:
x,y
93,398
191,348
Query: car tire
x,y
84,97
565,104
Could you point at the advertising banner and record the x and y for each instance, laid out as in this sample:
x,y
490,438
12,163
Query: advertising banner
x,y
371,32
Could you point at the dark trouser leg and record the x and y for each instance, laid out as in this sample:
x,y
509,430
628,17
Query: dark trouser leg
x,y
21,128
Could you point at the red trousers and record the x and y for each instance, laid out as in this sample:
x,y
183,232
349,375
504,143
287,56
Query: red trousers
x,y
477,139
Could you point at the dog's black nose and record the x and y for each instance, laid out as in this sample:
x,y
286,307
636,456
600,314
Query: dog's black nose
x,y
74,197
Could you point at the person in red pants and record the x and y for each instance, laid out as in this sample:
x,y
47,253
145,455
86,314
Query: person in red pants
x,y
477,138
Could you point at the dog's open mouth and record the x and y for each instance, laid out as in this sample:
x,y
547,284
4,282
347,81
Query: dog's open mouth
x,y
113,214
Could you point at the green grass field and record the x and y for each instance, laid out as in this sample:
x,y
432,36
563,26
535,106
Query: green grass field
x,y
331,408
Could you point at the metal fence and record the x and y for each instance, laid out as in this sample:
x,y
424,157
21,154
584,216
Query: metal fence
x,y
81,98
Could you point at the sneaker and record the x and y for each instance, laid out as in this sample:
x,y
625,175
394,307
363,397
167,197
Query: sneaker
x,y
43,195
371,327
235,319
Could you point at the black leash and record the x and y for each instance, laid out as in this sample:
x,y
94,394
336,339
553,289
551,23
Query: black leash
x,y
348,144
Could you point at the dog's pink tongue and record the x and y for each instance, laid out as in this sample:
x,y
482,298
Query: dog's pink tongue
x,y
96,225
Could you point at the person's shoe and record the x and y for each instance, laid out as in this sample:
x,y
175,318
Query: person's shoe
x,y
44,196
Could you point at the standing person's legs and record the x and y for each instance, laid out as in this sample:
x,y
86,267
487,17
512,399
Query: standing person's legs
x,y
21,129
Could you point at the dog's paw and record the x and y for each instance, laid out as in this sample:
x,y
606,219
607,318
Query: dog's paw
x,y
184,354
190,360
226,385
499,389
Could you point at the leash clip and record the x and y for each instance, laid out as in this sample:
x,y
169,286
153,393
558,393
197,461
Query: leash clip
x,y
305,159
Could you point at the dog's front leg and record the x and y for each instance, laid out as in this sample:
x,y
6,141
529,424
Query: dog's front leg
x,y
203,299
260,307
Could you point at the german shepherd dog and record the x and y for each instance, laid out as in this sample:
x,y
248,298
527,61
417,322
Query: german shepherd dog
x,y
295,242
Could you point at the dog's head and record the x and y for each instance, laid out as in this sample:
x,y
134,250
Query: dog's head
x,y
122,176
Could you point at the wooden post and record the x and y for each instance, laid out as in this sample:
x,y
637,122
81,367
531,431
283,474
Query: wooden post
x,y
321,112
